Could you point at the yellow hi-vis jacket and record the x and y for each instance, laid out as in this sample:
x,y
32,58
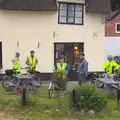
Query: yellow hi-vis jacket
x,y
32,61
61,68
108,66
16,65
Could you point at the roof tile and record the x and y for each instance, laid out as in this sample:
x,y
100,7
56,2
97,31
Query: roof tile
x,y
29,5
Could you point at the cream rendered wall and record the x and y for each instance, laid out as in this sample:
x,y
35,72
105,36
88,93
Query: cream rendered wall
x,y
29,28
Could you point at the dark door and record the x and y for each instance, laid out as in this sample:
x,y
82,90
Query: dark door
x,y
0,54
67,50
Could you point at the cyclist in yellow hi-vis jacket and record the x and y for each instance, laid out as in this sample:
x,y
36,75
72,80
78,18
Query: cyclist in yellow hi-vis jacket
x,y
16,63
110,65
31,61
61,67
61,72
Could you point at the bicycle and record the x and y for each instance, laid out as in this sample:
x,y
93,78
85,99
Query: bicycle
x,y
95,81
14,83
57,86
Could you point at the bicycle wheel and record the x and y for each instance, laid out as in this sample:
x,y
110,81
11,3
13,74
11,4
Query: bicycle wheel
x,y
7,84
53,92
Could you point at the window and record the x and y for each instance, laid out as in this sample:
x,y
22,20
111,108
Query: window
x,y
117,27
70,13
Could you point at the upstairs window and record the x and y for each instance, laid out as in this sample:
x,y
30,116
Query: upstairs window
x,y
70,13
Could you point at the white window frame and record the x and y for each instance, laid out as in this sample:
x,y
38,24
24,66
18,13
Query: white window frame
x,y
116,28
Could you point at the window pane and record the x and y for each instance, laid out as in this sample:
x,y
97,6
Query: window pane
x,y
63,19
63,12
78,20
78,7
63,6
70,20
70,13
78,14
70,7
118,27
59,50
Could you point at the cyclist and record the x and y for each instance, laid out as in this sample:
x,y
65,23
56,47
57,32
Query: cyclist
x,y
110,66
31,61
16,63
61,66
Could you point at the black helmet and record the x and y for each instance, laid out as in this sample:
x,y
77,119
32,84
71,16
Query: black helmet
x,y
32,51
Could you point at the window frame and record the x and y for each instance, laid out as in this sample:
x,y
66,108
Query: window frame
x,y
116,28
67,3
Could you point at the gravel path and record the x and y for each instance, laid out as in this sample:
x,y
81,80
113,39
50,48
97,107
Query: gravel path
x,y
6,118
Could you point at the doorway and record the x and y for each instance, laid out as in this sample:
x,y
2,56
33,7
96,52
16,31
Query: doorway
x,y
67,50
0,54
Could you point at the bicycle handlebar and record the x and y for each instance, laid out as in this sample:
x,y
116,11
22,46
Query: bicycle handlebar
x,y
24,68
28,68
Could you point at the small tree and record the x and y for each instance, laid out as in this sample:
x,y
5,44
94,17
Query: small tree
x,y
88,97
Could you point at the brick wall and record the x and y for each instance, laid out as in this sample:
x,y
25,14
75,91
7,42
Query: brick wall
x,y
110,27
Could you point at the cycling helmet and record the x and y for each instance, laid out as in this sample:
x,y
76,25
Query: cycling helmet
x,y
62,57
32,51
109,57
82,53
17,53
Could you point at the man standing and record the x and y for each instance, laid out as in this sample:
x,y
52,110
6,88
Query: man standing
x,y
31,61
16,63
82,69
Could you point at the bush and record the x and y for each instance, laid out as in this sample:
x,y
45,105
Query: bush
x,y
88,97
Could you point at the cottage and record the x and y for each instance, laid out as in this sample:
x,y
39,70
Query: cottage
x,y
52,28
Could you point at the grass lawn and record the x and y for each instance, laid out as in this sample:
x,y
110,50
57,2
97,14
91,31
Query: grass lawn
x,y
43,108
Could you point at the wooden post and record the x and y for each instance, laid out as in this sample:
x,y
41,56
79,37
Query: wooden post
x,y
24,101
73,97
118,96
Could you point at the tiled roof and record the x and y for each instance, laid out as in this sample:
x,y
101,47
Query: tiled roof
x,y
29,5
112,15
92,6
98,6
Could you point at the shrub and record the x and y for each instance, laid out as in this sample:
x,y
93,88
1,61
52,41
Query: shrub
x,y
88,97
